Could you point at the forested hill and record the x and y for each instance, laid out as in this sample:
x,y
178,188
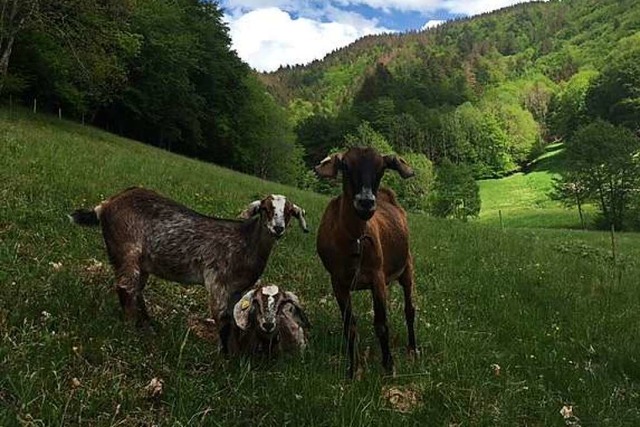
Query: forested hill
x,y
485,91
159,71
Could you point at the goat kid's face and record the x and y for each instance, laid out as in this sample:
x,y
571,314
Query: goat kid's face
x,y
362,170
276,213
266,308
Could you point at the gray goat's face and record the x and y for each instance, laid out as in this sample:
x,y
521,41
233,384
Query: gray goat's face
x,y
362,170
266,308
276,212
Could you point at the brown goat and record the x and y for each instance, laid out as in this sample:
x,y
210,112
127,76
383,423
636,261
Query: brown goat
x,y
363,243
146,233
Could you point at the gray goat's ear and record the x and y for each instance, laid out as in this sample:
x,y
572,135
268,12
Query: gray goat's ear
x,y
242,309
299,213
398,164
329,167
252,209
299,314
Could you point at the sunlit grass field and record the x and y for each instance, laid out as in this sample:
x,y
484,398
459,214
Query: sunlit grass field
x,y
523,198
512,325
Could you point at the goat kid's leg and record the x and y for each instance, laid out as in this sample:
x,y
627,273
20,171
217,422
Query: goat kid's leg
x,y
379,292
343,296
407,283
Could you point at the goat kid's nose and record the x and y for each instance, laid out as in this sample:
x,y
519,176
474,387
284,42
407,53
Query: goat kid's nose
x,y
268,326
278,229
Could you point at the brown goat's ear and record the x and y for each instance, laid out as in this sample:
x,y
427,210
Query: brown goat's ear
x,y
242,309
299,213
398,163
299,315
328,168
252,209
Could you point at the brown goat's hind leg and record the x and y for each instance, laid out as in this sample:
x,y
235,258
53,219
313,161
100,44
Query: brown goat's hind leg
x,y
407,283
378,291
343,296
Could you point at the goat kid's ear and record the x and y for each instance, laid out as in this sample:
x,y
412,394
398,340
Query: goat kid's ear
x,y
242,310
398,164
252,209
299,213
301,318
329,167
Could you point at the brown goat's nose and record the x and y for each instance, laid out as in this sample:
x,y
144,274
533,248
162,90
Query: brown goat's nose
x,y
367,204
278,229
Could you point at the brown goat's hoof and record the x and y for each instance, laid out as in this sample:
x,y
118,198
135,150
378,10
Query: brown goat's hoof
x,y
390,371
413,354
146,326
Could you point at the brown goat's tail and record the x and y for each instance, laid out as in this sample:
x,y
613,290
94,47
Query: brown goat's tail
x,y
85,217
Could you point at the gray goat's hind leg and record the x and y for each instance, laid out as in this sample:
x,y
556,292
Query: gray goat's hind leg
x,y
219,310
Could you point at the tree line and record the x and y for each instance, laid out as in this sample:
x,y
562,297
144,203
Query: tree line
x,y
159,71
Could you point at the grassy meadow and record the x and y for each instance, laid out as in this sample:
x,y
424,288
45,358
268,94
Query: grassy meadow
x,y
523,198
512,325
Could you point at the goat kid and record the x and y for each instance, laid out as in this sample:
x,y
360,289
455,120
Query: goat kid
x,y
268,321
363,243
146,233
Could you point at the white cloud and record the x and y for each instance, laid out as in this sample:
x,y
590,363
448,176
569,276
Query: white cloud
x,y
270,37
465,7
270,33
433,23
476,7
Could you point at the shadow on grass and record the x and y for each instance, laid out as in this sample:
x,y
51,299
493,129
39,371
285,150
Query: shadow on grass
x,y
552,160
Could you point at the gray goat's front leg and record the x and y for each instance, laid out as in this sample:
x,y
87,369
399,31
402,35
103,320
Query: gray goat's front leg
x,y
218,308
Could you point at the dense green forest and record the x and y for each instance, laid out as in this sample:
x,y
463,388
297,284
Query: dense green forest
x,y
160,71
485,93
482,96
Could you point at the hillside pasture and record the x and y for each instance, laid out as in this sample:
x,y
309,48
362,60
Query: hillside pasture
x,y
524,199
512,325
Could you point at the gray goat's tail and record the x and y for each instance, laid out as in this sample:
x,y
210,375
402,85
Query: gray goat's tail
x,y
85,217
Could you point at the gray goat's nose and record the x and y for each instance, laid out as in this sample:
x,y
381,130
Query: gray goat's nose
x,y
268,326
278,229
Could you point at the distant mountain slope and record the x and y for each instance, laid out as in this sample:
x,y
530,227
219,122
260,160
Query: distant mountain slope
x,y
478,91
555,38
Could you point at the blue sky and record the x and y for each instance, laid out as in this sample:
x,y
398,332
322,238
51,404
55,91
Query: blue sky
x,y
270,33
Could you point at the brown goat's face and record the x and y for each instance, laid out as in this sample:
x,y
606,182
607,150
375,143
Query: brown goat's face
x,y
362,170
276,213
266,309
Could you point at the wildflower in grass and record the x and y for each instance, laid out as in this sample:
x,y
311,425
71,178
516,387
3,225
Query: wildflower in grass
x,y
496,369
56,266
155,388
569,418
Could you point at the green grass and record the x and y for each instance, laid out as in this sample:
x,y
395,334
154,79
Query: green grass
x,y
548,306
523,198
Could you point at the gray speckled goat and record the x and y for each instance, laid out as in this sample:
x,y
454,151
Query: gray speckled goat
x,y
146,233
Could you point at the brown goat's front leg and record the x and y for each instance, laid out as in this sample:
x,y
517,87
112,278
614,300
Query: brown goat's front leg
x,y
343,296
407,283
379,293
